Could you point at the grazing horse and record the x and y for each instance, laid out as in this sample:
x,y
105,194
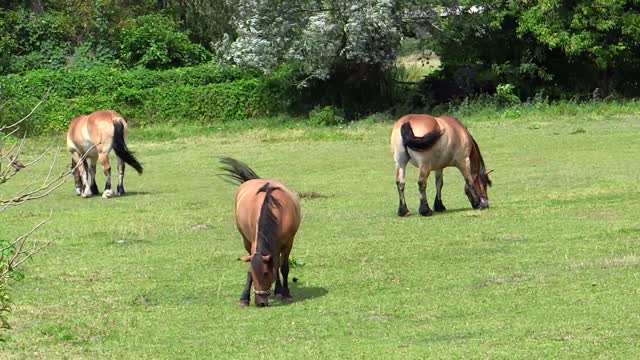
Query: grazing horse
x,y
92,137
431,144
267,217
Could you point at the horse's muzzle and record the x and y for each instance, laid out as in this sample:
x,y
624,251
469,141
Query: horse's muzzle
x,y
484,203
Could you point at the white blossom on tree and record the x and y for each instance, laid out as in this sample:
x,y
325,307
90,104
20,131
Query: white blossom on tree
x,y
318,36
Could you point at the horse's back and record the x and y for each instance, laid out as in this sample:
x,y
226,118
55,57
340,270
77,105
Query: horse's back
x,y
96,129
451,148
249,202
420,123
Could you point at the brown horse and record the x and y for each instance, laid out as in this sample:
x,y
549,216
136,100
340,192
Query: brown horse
x,y
431,144
95,135
268,217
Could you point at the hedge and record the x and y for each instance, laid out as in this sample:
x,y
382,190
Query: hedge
x,y
203,94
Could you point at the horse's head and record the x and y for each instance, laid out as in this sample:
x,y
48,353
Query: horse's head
x,y
480,198
261,270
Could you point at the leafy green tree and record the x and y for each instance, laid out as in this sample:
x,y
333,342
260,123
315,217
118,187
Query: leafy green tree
x,y
154,42
561,47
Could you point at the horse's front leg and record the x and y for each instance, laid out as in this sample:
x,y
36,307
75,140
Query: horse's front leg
x,y
77,172
470,189
401,165
276,272
422,186
85,174
284,269
246,292
437,204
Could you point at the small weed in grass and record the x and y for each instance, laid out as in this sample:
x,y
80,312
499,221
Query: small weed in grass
x,y
312,195
294,262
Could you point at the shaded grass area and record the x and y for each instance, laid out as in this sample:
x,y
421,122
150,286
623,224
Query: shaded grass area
x,y
550,271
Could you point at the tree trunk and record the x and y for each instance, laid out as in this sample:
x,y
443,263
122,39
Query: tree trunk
x,y
35,6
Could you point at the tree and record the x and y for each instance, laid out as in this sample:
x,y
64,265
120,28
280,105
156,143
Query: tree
x,y
559,47
347,45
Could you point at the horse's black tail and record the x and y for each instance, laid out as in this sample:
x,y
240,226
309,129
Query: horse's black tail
x,y
120,147
418,143
236,171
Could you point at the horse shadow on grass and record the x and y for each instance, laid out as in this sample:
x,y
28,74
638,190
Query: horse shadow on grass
x,y
127,194
134,193
302,293
448,211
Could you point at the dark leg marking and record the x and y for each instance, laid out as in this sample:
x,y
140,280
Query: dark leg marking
x,y
94,188
402,206
246,292
278,288
424,207
437,204
120,188
285,279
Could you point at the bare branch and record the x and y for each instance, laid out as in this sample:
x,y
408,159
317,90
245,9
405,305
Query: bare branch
x,y
15,124
19,254
46,188
5,104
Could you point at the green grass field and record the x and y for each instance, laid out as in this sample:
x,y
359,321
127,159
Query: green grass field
x,y
551,270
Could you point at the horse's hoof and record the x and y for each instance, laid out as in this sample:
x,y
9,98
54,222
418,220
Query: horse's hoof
x,y
426,212
243,303
78,191
285,298
402,212
86,195
107,194
438,207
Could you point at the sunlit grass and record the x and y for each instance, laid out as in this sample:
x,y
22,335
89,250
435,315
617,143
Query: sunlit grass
x,y
550,271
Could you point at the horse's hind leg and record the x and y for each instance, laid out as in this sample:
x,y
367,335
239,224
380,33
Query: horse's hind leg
x,y
422,186
120,188
246,292
106,169
437,204
402,158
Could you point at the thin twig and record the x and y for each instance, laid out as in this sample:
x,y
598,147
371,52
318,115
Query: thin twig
x,y
15,124
38,158
46,188
19,256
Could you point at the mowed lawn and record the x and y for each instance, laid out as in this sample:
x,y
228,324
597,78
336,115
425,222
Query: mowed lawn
x,y
551,270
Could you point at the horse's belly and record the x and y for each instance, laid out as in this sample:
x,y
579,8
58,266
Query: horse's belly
x,y
432,159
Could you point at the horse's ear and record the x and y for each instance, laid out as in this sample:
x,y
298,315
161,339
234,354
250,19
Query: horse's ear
x,y
245,258
266,258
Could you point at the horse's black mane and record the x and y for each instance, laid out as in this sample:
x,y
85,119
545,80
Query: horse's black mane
x,y
267,222
482,170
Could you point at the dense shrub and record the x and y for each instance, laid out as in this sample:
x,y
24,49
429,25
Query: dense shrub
x,y
204,94
105,81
